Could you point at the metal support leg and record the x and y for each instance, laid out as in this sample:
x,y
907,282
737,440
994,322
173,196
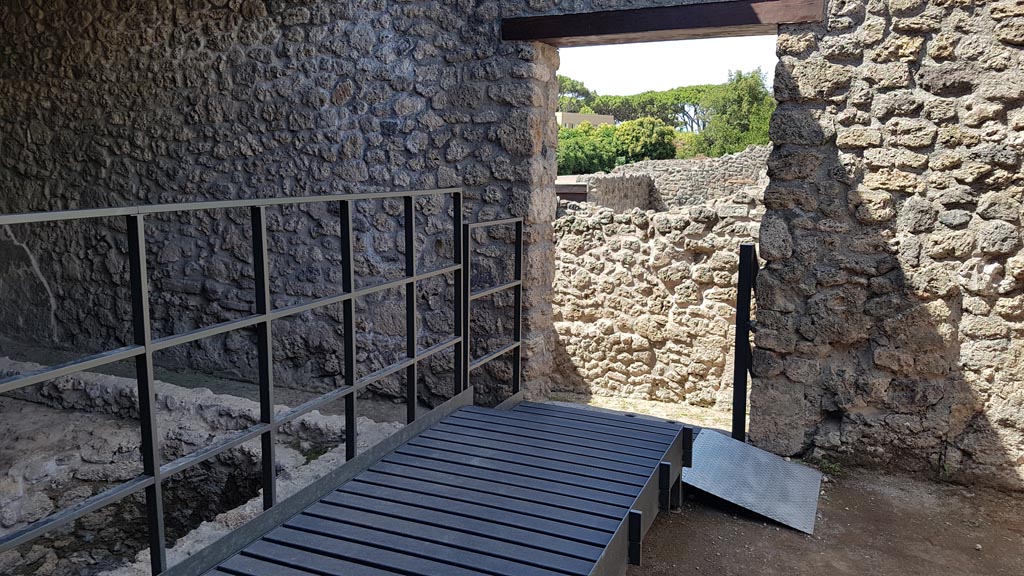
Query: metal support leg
x,y
664,485
635,536
687,460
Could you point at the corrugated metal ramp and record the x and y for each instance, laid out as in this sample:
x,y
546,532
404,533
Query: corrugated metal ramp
x,y
538,490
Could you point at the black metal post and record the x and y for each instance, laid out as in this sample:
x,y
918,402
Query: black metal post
x,y
264,349
411,325
349,320
664,485
741,355
467,287
635,529
461,365
687,460
147,395
517,326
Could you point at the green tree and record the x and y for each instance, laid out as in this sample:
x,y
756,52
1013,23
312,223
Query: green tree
x,y
739,112
679,107
645,139
573,95
586,149
687,145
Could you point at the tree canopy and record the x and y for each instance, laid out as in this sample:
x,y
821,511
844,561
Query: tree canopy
x,y
706,119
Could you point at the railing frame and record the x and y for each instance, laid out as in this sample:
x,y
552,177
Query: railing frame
x,y
516,285
144,346
742,354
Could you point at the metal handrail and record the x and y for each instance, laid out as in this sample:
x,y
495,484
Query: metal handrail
x,y
516,285
144,346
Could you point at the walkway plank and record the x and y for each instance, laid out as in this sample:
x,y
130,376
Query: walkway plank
x,y
532,491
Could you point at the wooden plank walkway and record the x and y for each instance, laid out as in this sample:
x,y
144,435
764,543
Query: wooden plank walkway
x,y
538,490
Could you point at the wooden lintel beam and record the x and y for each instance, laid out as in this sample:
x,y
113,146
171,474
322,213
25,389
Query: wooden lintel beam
x,y
729,18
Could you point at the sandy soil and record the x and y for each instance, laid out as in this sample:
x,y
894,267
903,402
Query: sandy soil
x,y
868,523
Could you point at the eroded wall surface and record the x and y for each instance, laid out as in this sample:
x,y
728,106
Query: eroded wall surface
x,y
891,305
159,102
645,301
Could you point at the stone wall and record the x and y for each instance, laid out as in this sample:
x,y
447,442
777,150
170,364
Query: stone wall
x,y
103,105
696,180
888,335
644,302
892,300
621,192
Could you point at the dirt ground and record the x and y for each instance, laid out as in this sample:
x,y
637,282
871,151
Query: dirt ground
x,y
868,523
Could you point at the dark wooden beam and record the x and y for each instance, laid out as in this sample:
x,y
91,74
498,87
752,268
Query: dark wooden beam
x,y
707,20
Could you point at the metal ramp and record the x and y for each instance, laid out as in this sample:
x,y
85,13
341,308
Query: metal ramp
x,y
536,490
754,479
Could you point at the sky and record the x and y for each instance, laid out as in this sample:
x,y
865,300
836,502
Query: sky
x,y
625,69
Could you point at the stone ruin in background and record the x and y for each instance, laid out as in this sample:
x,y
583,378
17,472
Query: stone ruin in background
x,y
645,277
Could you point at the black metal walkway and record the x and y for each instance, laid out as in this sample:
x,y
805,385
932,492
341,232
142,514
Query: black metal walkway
x,y
535,490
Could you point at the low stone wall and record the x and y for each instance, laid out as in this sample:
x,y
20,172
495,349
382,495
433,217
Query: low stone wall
x,y
622,192
697,180
644,301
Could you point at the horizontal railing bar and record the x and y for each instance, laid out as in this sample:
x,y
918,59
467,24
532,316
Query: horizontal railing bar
x,y
485,359
384,372
495,290
65,517
30,217
204,454
397,367
307,407
503,222
363,382
49,373
329,300
428,352
200,333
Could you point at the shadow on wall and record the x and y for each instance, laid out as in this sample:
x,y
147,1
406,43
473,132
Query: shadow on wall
x,y
883,307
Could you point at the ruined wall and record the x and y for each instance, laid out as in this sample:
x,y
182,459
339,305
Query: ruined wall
x,y
890,307
697,180
621,192
209,100
644,302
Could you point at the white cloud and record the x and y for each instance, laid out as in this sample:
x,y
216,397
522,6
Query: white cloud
x,y
632,68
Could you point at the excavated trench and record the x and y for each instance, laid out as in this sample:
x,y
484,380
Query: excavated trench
x,y
75,437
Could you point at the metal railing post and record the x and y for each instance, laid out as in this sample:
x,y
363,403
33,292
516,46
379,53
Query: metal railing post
x,y
411,325
264,348
467,287
517,327
461,366
349,321
741,354
147,394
